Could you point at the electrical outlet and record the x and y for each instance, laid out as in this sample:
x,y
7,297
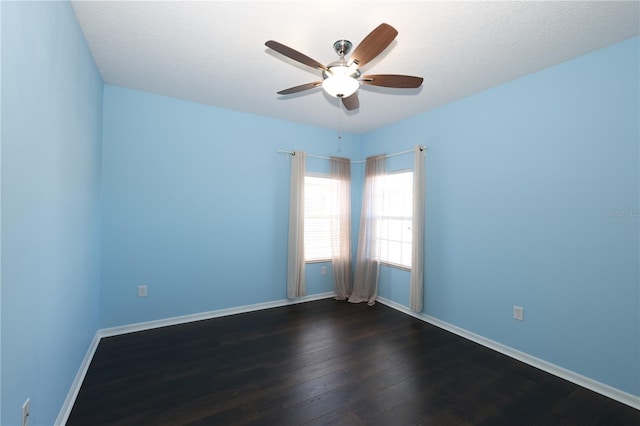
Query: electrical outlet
x,y
323,270
142,291
26,410
518,313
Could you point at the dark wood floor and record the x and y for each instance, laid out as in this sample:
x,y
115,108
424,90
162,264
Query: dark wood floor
x,y
324,363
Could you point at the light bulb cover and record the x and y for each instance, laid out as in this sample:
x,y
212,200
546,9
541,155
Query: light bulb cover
x,y
340,86
340,81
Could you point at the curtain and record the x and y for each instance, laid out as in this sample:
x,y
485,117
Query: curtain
x,y
295,254
341,228
417,237
365,285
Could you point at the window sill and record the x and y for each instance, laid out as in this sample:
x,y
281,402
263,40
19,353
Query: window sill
x,y
395,265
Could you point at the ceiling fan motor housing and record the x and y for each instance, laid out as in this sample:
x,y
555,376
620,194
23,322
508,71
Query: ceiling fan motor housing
x,y
342,47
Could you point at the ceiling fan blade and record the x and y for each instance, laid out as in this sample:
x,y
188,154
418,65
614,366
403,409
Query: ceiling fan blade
x,y
294,54
351,102
373,44
392,80
300,88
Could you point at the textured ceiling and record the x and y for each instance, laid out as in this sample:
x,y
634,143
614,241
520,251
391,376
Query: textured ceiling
x,y
213,52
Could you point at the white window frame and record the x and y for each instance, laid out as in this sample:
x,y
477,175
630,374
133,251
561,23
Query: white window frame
x,y
396,211
314,213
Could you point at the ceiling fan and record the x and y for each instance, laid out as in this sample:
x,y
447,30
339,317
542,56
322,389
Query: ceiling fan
x,y
342,78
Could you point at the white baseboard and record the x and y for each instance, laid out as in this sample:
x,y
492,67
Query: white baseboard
x,y
63,416
148,325
65,411
586,382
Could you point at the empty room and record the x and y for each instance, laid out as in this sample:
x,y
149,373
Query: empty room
x,y
319,213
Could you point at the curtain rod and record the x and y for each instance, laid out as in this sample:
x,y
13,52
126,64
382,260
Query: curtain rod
x,y
422,148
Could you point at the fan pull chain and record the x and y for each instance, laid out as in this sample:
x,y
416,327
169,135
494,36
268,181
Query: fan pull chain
x,y
339,119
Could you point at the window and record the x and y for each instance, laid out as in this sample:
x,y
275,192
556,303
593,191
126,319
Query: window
x,y
321,218
394,203
393,243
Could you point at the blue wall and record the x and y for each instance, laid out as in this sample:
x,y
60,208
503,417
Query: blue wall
x,y
196,206
532,200
51,132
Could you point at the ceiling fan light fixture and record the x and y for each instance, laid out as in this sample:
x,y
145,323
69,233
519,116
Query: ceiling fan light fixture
x,y
340,80
340,86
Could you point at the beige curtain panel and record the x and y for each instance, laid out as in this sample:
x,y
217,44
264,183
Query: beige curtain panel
x,y
341,228
416,288
295,254
365,285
